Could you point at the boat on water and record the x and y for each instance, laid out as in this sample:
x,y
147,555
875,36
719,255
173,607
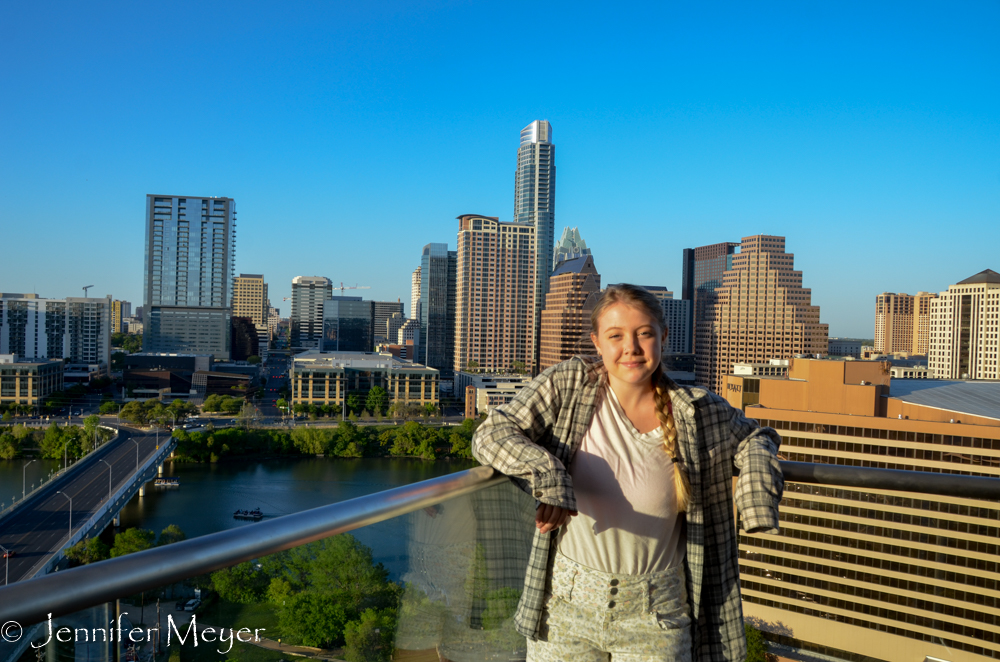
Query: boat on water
x,y
167,482
254,515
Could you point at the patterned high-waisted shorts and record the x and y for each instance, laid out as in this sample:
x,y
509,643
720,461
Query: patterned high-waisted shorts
x,y
593,616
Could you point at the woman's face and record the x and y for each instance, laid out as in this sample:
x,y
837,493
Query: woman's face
x,y
630,341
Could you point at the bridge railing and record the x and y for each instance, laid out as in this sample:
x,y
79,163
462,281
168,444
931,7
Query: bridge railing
x,y
55,475
464,538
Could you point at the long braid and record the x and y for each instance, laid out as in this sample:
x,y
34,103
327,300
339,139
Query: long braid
x,y
661,396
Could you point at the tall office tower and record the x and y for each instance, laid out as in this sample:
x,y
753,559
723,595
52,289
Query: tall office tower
x,y
893,322
496,294
306,318
437,308
703,269
383,311
74,328
862,573
965,329
760,312
273,319
392,327
348,325
250,298
922,322
415,295
535,203
188,279
244,340
569,246
573,290
120,310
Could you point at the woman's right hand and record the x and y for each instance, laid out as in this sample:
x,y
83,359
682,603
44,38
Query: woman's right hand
x,y
549,518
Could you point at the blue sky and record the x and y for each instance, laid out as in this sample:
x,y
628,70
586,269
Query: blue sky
x,y
351,134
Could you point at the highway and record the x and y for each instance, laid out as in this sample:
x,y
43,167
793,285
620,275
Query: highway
x,y
40,528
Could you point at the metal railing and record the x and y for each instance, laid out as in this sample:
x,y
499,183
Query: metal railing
x,y
78,588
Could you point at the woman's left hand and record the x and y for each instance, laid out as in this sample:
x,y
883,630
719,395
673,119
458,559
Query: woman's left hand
x,y
549,518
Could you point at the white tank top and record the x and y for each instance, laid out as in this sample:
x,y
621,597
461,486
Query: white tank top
x,y
624,485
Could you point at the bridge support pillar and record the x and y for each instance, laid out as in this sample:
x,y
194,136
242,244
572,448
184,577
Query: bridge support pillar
x,y
117,521
159,470
142,489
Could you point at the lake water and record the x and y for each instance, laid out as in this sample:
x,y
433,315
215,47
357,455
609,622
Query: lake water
x,y
209,493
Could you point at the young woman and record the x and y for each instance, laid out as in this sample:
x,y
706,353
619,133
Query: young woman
x,y
634,556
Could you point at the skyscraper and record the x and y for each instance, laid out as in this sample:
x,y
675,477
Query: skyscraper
x,y
188,278
759,312
437,308
414,295
250,298
306,318
965,329
383,310
573,290
348,325
496,294
119,311
922,322
703,268
535,203
569,246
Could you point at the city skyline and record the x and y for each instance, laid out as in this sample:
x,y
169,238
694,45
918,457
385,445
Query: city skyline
x,y
860,138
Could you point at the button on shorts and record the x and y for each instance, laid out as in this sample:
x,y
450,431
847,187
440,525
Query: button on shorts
x,y
593,616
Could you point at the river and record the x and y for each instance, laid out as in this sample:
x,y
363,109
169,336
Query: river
x,y
210,493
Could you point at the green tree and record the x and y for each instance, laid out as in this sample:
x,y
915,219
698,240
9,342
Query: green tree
x,y
132,540
473,365
118,361
430,409
281,403
7,416
108,407
246,583
519,367
353,403
253,360
757,650
87,551
313,619
171,534
370,638
135,412
9,446
376,400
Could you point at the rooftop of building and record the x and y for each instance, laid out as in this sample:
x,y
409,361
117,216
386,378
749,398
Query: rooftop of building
x,y
976,398
574,265
14,359
357,360
984,276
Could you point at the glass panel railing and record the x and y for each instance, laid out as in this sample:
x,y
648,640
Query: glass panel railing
x,y
438,583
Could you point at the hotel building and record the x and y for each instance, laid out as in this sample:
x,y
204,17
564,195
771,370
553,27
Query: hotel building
x,y
495,294
250,299
74,328
758,313
325,378
872,574
188,276
573,290
965,329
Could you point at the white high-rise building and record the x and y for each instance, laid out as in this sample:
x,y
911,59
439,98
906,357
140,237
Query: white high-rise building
x,y
964,338
415,285
306,318
74,328
535,203
188,277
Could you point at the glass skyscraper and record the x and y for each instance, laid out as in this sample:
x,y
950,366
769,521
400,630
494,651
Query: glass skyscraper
x,y
188,277
535,203
437,307
348,325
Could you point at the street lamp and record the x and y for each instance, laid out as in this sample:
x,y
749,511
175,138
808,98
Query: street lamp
x,y
109,479
6,570
70,536
23,479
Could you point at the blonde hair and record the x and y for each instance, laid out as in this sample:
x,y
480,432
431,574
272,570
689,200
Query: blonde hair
x,y
637,297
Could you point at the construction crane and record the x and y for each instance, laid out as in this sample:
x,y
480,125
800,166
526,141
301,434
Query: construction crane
x,y
85,288
356,287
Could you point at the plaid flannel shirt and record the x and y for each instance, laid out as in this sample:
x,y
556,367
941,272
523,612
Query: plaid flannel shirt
x,y
533,439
